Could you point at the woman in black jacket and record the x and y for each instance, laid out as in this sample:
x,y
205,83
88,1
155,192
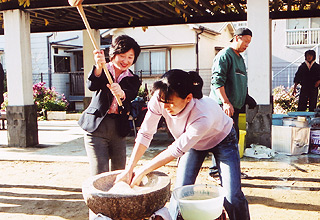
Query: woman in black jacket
x,y
105,122
308,76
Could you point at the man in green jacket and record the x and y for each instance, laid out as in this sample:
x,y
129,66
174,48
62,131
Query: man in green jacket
x,y
229,76
229,81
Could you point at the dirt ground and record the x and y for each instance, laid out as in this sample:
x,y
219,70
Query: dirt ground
x,y
289,189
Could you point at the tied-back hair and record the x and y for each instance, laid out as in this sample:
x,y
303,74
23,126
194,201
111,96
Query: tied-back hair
x,y
122,44
179,82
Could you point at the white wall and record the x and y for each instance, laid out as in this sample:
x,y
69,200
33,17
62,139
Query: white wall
x,y
183,58
207,45
285,60
160,35
283,55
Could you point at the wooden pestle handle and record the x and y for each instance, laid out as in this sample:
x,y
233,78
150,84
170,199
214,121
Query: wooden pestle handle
x,y
86,23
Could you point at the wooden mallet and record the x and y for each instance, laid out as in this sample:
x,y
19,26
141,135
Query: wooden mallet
x,y
77,3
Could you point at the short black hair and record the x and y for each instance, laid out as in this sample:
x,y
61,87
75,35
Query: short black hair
x,y
179,82
310,52
122,44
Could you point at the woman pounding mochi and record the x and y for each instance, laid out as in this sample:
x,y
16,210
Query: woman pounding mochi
x,y
199,126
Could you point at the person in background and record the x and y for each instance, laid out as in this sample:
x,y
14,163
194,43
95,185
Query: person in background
x,y
229,81
199,126
308,76
106,124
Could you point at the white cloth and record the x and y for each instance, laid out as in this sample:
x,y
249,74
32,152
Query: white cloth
x,y
259,151
163,212
102,217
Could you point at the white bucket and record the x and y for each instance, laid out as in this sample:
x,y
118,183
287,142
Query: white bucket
x,y
203,202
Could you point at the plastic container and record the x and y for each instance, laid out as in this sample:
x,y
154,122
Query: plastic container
x,y
308,115
203,202
315,136
301,113
242,142
299,122
277,119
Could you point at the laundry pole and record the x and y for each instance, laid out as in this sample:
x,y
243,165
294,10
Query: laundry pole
x,y
259,120
21,110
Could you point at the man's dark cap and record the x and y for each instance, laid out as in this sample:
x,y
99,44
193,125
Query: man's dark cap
x,y
242,31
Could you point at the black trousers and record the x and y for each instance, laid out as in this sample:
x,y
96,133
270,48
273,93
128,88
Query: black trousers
x,y
308,96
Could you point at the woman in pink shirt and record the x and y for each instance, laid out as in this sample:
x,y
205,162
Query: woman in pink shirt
x,y
199,126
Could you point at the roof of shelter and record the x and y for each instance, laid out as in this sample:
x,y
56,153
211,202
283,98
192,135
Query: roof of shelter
x,y
58,15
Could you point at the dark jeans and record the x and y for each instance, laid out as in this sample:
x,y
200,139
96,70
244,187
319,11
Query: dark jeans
x,y
235,118
228,162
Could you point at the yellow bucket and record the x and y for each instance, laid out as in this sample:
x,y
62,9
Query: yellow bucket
x,y
242,142
242,123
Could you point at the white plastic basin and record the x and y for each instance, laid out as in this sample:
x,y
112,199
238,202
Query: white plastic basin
x,y
203,202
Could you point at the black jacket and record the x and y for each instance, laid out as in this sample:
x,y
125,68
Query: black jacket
x,y
102,99
307,78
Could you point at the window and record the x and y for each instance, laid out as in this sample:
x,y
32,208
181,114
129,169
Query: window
x,y
79,61
62,64
299,23
152,62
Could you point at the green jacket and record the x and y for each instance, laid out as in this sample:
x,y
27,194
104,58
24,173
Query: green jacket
x,y
229,70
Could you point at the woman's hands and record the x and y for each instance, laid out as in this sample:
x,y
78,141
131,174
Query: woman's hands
x,y
129,177
137,178
125,176
100,60
116,90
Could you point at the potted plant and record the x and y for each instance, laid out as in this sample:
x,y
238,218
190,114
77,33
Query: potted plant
x,y
50,104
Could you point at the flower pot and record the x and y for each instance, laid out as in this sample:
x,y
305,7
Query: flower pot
x,y
56,115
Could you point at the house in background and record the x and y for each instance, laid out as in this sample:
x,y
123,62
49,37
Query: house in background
x,y
57,60
290,39
190,47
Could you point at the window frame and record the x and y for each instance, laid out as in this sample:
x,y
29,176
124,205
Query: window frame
x,y
149,73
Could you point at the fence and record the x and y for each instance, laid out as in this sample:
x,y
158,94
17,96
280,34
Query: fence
x,y
75,85
303,36
283,75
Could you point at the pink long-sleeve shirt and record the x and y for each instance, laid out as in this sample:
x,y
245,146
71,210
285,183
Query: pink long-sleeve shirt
x,y
201,125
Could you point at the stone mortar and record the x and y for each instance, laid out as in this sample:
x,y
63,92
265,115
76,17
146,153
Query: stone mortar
x,y
148,198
